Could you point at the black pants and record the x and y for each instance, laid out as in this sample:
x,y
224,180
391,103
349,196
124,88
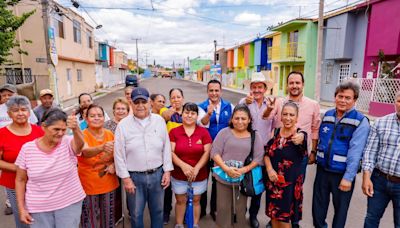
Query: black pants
x,y
213,201
168,201
325,184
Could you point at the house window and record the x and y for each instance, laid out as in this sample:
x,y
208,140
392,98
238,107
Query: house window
x,y
59,26
89,39
79,75
10,76
28,75
344,72
19,79
77,31
293,43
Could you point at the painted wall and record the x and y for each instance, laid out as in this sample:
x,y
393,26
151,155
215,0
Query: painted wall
x,y
307,49
198,64
230,59
249,54
238,57
357,23
383,33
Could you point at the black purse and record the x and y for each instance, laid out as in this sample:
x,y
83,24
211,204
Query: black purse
x,y
252,183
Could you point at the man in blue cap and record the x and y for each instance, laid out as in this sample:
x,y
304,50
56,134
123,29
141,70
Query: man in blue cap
x,y
142,154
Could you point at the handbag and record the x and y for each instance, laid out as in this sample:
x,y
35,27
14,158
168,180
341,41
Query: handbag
x,y
217,170
252,183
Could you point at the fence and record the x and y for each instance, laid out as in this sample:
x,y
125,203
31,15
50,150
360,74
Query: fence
x,y
376,90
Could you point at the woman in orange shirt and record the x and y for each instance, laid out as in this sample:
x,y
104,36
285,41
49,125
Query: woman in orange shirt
x,y
97,173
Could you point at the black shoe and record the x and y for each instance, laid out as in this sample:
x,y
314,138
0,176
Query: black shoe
x,y
269,225
166,219
254,222
212,213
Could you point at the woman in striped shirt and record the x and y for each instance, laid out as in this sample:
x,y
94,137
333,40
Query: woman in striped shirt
x,y
49,192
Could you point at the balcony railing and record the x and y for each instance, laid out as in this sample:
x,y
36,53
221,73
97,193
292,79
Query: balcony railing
x,y
289,52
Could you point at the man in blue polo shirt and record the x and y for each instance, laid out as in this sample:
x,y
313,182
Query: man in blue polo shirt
x,y
214,114
342,136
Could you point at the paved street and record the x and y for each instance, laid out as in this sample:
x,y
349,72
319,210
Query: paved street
x,y
196,93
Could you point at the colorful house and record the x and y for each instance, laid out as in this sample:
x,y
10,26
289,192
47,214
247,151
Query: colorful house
x,y
382,53
296,52
344,43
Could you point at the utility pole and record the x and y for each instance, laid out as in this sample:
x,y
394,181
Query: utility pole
x,y
215,52
137,55
319,51
50,65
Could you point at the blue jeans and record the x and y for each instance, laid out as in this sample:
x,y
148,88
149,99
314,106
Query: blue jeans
x,y
384,192
148,190
67,217
325,184
13,201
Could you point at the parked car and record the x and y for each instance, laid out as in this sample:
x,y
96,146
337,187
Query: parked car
x,y
166,75
131,80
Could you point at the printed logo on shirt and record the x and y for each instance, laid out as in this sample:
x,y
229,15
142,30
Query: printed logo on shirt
x,y
325,129
199,142
226,113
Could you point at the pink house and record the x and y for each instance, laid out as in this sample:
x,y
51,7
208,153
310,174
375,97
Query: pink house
x,y
383,39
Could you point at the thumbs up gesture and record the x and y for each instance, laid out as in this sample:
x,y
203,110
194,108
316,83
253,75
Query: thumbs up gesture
x,y
72,122
249,98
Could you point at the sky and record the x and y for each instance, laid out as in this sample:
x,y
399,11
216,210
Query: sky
x,y
170,31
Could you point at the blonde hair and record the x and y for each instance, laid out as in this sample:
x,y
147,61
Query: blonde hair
x,y
122,101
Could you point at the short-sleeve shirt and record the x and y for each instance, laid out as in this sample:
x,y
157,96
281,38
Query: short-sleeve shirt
x,y
53,181
91,169
229,147
175,121
11,145
190,149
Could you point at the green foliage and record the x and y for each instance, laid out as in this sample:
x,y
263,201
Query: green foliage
x,y
9,23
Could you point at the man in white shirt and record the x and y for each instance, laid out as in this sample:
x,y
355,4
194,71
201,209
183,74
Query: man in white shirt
x,y
142,154
7,91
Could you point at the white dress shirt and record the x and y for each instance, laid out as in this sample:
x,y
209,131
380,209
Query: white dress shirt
x,y
141,145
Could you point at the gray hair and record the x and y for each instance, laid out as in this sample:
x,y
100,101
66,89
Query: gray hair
x,y
348,85
18,100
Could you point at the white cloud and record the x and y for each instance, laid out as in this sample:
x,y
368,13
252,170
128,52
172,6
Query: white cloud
x,y
248,18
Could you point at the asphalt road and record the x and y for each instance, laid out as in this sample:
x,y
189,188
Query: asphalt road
x,y
197,92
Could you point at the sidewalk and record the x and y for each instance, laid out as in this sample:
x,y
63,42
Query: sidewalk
x,y
73,102
324,106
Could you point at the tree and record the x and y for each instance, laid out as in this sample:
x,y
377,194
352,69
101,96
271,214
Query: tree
x,y
9,23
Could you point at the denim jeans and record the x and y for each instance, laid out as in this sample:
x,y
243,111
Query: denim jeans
x,y
11,195
325,184
148,190
67,217
384,192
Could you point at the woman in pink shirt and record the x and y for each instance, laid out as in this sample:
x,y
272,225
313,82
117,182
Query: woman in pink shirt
x,y
49,192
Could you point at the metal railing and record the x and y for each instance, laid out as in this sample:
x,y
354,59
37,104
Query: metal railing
x,y
376,90
288,52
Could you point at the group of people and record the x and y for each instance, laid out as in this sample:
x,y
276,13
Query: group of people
x,y
56,177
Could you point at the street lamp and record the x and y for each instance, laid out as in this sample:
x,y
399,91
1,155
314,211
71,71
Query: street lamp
x,y
215,52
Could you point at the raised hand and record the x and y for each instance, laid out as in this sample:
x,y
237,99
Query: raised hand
x,y
72,122
249,98
271,102
210,109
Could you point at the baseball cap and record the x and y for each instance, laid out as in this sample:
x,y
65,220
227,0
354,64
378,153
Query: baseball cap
x,y
9,87
258,77
140,93
45,92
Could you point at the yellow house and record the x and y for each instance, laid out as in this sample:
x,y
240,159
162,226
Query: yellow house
x,y
273,55
75,54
